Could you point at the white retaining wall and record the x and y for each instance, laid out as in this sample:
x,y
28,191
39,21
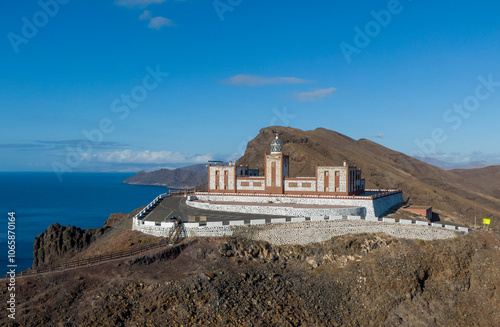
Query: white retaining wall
x,y
277,210
216,229
362,206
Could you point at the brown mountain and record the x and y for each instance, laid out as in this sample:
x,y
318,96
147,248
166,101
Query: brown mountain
x,y
452,194
180,178
485,177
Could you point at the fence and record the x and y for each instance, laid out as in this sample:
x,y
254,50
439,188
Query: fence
x,y
95,260
381,194
151,205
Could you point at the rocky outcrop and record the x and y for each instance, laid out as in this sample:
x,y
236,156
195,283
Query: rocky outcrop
x,y
59,243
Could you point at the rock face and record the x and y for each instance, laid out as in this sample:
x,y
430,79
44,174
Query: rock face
x,y
180,178
59,243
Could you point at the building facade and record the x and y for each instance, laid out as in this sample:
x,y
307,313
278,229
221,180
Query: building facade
x,y
329,180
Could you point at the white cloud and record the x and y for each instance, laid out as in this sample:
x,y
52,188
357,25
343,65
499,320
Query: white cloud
x,y
255,80
379,135
465,158
146,15
140,3
315,95
155,22
158,22
151,157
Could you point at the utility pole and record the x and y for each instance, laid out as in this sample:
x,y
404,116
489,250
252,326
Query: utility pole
x,y
475,215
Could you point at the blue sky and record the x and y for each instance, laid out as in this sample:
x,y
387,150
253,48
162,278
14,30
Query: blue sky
x,y
140,84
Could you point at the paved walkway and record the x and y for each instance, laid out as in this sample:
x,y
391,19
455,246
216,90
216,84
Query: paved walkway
x,y
176,206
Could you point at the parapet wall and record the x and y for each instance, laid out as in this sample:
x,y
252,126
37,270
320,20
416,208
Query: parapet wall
x,y
335,225
364,205
195,229
278,210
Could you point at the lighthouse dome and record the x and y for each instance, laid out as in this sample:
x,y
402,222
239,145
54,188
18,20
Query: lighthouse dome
x,y
276,145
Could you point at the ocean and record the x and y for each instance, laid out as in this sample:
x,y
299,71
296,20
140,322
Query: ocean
x,y
83,200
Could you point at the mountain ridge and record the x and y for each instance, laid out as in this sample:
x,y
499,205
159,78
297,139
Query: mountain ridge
x,y
179,178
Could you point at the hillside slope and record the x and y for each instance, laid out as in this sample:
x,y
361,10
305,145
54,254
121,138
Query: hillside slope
x,y
487,178
350,280
448,192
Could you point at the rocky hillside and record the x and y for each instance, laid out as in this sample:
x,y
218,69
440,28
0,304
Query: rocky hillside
x,y
448,192
60,243
180,178
351,280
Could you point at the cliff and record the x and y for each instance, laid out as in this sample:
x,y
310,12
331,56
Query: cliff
x,y
59,243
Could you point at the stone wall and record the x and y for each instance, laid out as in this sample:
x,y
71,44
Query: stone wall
x,y
303,231
376,207
278,210
319,231
382,204
191,231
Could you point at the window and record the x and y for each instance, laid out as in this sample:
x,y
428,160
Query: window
x,y
337,173
216,187
327,173
217,173
225,172
337,189
225,187
327,189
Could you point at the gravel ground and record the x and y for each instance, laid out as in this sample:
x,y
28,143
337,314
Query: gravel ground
x,y
310,232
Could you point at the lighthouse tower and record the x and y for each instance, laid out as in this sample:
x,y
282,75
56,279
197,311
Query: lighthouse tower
x,y
276,167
